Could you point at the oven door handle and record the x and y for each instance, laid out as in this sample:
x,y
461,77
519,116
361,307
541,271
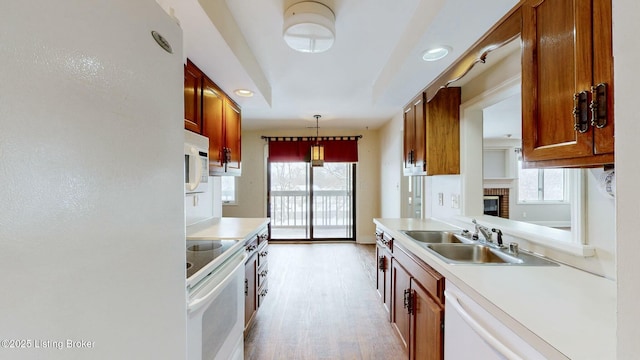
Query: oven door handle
x,y
201,301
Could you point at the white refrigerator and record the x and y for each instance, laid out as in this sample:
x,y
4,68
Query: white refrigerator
x,y
92,252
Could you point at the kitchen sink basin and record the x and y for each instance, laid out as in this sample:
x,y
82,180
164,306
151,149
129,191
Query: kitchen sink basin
x,y
472,253
432,237
484,255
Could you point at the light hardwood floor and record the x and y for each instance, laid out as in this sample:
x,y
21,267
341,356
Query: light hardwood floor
x,y
322,304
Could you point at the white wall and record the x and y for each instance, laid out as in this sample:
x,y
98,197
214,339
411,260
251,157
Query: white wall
x,y
447,185
390,174
252,198
627,77
198,206
91,166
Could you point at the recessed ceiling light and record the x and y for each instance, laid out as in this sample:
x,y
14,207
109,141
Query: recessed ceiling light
x,y
436,53
244,92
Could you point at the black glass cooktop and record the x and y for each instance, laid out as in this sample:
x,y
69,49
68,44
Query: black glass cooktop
x,y
202,252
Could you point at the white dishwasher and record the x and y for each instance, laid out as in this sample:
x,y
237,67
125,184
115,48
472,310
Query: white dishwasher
x,y
471,332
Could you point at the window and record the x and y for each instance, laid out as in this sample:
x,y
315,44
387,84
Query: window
x,y
541,185
229,190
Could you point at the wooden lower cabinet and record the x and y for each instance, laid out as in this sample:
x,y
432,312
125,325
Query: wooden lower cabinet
x,y
417,305
383,272
400,316
255,280
250,300
426,324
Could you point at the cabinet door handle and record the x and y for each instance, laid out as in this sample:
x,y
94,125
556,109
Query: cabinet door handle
x,y
226,157
408,301
581,111
264,253
598,105
246,287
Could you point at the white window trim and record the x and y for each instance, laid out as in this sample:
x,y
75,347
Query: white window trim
x,y
568,183
235,194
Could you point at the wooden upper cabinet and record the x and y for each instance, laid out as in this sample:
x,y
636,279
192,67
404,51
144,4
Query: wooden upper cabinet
x,y
567,53
414,137
222,125
212,113
232,136
443,132
192,101
432,134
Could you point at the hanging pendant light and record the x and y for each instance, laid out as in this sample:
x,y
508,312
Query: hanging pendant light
x,y
317,150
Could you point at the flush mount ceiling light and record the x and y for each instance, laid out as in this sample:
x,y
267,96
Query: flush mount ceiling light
x,y
309,27
243,92
436,53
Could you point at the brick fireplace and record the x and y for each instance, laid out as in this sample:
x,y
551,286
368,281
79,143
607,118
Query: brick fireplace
x,y
503,202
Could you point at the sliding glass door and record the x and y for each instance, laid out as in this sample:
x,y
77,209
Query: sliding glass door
x,y
311,203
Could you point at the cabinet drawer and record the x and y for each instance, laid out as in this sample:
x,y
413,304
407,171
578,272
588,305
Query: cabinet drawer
x,y
263,271
384,240
262,291
263,236
432,281
251,246
263,252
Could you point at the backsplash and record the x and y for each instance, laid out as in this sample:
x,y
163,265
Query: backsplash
x,y
204,205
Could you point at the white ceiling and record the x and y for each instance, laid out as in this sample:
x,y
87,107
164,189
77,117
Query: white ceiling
x,y
373,69
504,119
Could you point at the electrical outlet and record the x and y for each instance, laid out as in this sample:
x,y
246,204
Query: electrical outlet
x,y
441,199
195,200
455,201
524,214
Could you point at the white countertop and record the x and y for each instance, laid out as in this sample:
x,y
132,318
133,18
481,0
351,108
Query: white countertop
x,y
558,310
225,228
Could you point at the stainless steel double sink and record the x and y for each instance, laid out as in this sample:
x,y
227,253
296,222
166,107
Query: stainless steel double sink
x,y
454,248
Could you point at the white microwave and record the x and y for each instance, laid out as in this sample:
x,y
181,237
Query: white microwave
x,y
196,162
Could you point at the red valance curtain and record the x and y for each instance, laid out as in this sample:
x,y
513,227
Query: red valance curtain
x,y
297,149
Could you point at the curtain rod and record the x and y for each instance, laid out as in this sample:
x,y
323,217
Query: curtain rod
x,y
298,138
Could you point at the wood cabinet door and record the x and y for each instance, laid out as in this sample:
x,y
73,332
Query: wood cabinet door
x,y
383,277
232,135
414,137
250,304
442,129
409,139
387,283
192,98
427,339
420,143
603,71
399,315
556,64
213,116
381,265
